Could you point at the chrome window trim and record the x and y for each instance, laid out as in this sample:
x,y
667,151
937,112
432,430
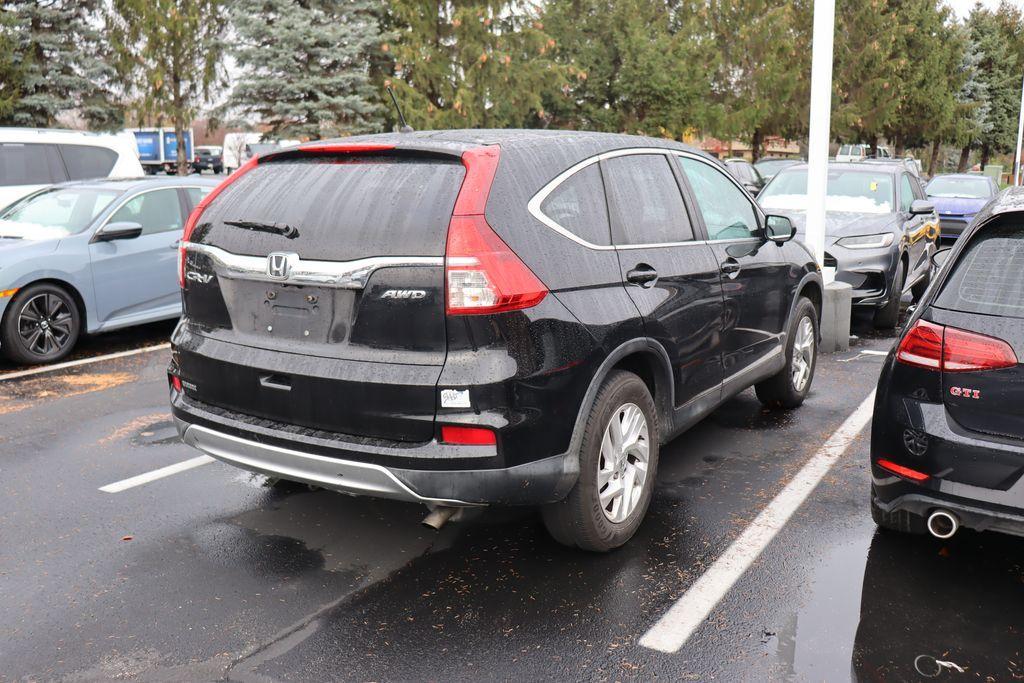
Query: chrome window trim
x,y
534,205
338,274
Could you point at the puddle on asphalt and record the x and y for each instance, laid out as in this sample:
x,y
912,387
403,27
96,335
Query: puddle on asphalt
x,y
891,607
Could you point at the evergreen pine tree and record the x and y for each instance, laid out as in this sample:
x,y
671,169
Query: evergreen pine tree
x,y
469,64
304,65
60,61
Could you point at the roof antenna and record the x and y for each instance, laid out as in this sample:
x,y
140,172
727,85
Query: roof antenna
x,y
406,128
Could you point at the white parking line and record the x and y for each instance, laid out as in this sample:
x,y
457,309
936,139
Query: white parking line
x,y
676,627
141,479
82,361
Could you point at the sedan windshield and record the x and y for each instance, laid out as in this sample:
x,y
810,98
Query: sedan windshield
x,y
54,213
971,188
855,191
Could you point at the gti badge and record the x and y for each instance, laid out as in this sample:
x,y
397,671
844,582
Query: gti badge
x,y
403,294
279,265
198,277
965,392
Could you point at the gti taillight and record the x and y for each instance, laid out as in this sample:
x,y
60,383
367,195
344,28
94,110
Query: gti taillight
x,y
937,347
193,218
482,274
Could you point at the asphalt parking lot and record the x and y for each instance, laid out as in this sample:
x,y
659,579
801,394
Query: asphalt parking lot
x,y
110,572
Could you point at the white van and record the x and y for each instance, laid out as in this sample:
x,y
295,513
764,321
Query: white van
x,y
235,145
32,158
860,153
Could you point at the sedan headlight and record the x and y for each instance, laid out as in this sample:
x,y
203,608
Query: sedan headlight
x,y
866,241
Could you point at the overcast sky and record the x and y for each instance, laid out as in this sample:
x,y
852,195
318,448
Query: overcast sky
x,y
963,7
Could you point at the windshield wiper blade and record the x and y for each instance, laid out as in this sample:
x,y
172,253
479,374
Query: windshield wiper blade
x,y
274,228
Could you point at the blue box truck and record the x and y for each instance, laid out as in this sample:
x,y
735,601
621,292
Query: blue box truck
x,y
158,148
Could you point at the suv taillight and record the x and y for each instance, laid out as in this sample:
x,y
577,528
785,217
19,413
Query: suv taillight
x,y
193,218
950,349
482,274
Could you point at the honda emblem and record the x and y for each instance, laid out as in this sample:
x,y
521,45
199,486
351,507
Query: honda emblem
x,y
278,265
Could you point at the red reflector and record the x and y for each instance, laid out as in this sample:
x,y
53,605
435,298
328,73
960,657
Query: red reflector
x,y
968,351
174,381
922,347
901,471
193,218
936,347
467,436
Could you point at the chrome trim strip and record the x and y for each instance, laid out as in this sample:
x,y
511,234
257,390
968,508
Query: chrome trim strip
x,y
339,274
332,473
535,202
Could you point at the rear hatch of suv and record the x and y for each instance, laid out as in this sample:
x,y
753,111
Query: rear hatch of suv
x,y
313,288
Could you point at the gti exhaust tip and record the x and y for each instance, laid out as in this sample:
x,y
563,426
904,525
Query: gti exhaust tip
x,y
438,517
943,524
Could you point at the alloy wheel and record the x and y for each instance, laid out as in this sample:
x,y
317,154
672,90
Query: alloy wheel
x,y
45,324
622,471
803,354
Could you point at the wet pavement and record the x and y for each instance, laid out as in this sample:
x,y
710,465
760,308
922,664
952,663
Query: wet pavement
x,y
209,574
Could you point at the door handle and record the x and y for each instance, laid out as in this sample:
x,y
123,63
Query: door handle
x,y
730,267
642,275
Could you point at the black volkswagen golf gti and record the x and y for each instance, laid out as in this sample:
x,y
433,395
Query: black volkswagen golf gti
x,y
484,317
947,440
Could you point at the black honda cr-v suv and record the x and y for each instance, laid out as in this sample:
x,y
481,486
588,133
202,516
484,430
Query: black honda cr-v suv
x,y
484,317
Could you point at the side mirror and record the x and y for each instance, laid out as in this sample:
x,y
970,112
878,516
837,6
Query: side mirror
x,y
939,257
921,206
779,229
120,230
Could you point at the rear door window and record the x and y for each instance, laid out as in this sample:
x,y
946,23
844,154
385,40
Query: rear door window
x,y
196,194
30,164
88,161
339,208
906,193
988,278
578,205
645,202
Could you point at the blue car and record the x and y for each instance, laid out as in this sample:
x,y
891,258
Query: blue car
x,y
957,197
88,257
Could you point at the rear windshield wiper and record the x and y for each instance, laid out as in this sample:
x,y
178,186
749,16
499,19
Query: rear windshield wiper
x,y
275,228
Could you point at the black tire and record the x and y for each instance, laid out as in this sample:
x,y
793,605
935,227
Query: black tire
x,y
580,520
53,337
217,170
783,390
888,316
900,521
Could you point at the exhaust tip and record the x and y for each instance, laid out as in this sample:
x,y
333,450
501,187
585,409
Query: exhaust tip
x,y
438,517
943,524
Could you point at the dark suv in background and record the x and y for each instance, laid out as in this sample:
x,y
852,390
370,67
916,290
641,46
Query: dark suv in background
x,y
484,317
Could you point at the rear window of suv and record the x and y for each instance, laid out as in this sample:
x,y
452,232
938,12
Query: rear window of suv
x,y
342,208
988,278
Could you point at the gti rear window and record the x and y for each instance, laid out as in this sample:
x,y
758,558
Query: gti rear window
x,y
988,278
338,208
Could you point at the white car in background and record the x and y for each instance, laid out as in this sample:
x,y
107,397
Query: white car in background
x,y
861,152
33,158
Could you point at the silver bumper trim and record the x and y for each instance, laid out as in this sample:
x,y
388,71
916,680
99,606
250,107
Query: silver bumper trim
x,y
345,476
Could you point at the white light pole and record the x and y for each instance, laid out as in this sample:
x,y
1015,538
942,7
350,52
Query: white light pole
x,y
821,118
1020,134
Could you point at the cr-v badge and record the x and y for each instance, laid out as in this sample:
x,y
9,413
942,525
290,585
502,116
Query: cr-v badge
x,y
198,277
403,294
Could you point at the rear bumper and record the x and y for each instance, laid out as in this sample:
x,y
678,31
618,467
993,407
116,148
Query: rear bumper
x,y
971,514
349,468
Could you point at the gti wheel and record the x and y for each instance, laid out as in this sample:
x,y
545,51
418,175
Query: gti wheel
x,y
41,325
790,386
618,462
